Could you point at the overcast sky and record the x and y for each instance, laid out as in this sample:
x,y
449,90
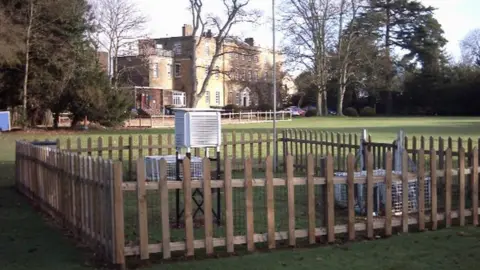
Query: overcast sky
x,y
166,18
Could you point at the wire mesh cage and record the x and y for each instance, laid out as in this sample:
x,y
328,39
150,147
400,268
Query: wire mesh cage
x,y
341,195
152,167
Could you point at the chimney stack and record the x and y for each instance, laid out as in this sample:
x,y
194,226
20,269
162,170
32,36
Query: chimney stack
x,y
187,30
249,41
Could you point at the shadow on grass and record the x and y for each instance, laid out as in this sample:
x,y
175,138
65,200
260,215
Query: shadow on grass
x,y
27,241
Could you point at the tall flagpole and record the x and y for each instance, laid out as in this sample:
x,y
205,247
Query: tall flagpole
x,y
275,150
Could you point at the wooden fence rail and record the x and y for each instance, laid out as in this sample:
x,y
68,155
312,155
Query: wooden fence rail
x,y
76,191
239,146
333,225
86,191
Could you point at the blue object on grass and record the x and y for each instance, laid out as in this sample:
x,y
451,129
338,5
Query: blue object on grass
x,y
5,121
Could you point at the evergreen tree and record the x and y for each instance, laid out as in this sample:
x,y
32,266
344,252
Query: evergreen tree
x,y
407,25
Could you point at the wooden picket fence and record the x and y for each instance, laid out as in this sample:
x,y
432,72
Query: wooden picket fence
x,y
89,196
257,145
76,191
352,225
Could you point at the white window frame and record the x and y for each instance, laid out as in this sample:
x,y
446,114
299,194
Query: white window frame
x,y
178,73
178,99
217,97
207,48
207,97
217,72
155,73
169,71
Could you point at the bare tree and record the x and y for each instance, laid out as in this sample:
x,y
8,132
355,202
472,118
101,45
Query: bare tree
x,y
236,12
348,39
120,25
309,28
470,47
31,19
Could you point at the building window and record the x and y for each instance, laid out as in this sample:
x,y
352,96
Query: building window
x,y
249,75
169,71
177,48
207,97
155,70
179,99
238,99
217,72
217,97
207,48
244,74
178,70
256,58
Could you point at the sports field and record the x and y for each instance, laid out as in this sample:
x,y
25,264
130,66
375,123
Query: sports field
x,y
27,242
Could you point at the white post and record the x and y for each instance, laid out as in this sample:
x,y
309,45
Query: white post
x,y
399,152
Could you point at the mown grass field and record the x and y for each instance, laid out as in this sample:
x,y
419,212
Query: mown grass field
x,y
27,242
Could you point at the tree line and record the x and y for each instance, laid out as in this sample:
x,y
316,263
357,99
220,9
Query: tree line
x,y
387,55
49,58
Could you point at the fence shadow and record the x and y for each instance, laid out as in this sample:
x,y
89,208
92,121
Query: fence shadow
x,y
26,240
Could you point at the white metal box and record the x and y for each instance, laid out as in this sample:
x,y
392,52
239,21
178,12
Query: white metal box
x,y
197,128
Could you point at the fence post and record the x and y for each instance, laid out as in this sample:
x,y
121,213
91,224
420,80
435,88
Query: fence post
x,y
474,183
118,218
130,158
249,204
285,150
142,210
291,202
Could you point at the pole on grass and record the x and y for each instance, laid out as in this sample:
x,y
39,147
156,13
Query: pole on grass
x,y
275,151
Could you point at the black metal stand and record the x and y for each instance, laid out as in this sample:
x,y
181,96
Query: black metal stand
x,y
199,203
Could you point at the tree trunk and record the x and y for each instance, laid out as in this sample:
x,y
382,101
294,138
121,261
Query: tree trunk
x,y
340,96
115,71
56,119
325,105
27,61
320,103
389,64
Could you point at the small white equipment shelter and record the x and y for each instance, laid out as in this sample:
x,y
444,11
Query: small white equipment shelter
x,y
198,128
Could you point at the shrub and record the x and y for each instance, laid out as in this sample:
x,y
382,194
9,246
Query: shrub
x,y
231,108
350,111
264,107
311,112
367,111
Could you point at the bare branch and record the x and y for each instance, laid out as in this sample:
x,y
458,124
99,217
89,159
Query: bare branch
x,y
236,12
470,47
120,24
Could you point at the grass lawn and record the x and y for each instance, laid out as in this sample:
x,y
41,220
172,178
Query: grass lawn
x,y
26,242
446,249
